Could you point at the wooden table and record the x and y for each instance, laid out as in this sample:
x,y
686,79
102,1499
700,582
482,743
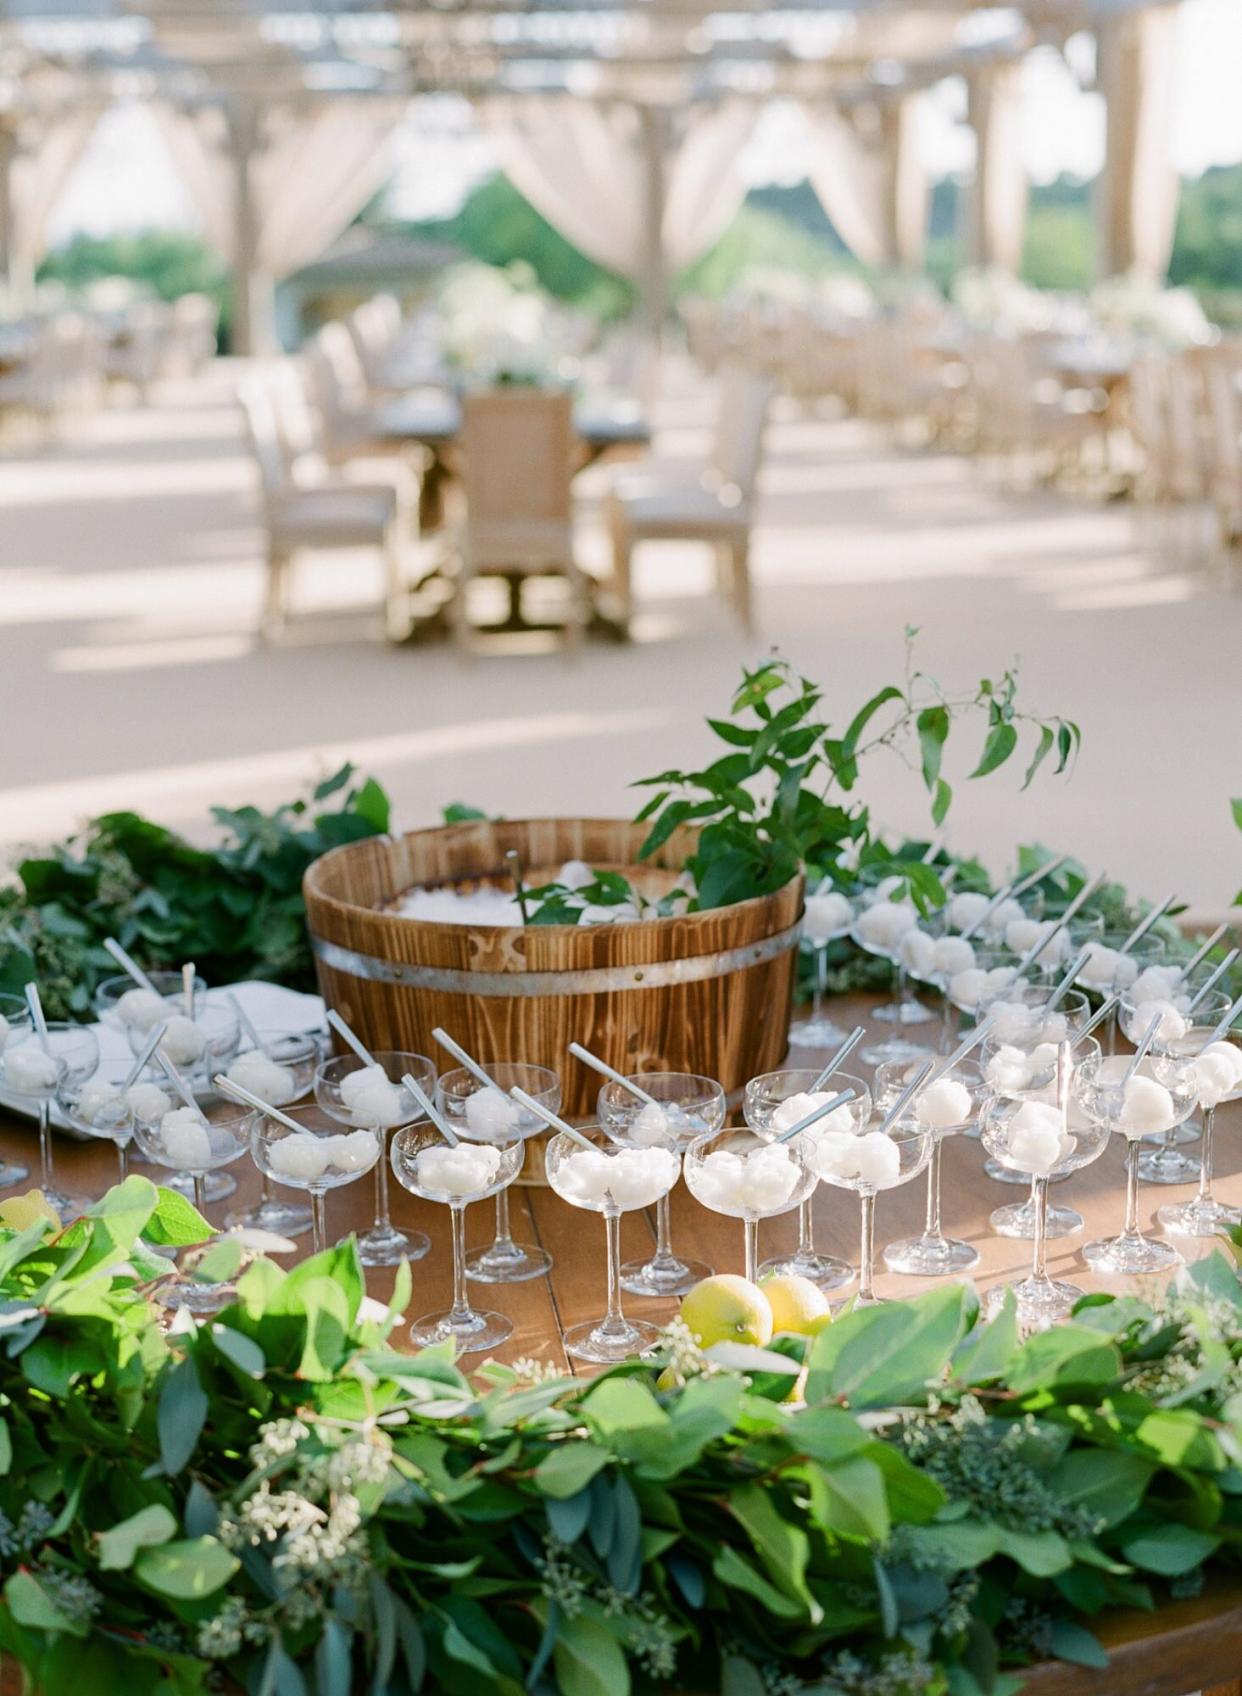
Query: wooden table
x,y
1189,1646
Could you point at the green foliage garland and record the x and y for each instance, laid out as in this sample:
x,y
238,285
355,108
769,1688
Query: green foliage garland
x,y
279,1496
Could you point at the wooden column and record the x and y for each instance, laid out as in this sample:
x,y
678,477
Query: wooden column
x,y
905,187
1136,193
996,201
653,127
252,326
8,154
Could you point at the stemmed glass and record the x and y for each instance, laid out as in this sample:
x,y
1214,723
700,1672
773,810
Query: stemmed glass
x,y
686,1107
746,1176
14,1022
947,1107
932,954
479,1113
1161,1093
590,1171
428,1167
1217,1069
1035,1138
314,1156
868,1161
281,1070
1024,1068
198,1047
827,917
775,1102
373,1098
1110,971
37,1066
126,1005
879,928
1179,1035
98,1107
193,1143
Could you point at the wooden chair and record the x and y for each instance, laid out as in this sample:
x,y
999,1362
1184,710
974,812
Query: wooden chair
x,y
717,509
325,515
518,452
349,426
1224,391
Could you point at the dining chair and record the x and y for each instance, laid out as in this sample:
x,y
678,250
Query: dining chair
x,y
717,508
323,515
349,426
517,487
1224,390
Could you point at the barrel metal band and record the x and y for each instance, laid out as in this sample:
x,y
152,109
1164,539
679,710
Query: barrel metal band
x,y
655,974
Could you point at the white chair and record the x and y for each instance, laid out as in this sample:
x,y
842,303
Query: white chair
x,y
191,337
136,354
718,508
349,426
374,328
326,515
517,476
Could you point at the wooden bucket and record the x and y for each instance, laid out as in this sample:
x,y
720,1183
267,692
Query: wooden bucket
x,y
707,992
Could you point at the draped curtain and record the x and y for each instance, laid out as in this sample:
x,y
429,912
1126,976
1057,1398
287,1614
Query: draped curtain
x,y
999,191
582,167
41,163
866,167
1138,188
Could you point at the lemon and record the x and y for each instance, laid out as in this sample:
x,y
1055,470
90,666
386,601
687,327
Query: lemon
x,y
726,1308
797,1305
20,1212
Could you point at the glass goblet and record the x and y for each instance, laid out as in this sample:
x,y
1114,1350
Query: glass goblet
x,y
315,1158
827,917
747,1176
281,1070
1034,1139
1111,969
1024,1069
687,1107
947,1107
372,1098
932,953
774,1102
36,1068
481,1114
126,1006
193,1143
879,926
98,1107
867,1161
1179,1035
610,1180
1160,1094
14,1022
198,1047
425,1165
1217,1070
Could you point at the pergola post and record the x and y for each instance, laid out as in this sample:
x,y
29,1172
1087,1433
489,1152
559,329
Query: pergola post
x,y
9,146
996,200
905,187
252,325
653,128
1136,193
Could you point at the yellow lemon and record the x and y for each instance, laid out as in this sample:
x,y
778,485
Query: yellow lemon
x,y
797,1305
20,1212
727,1309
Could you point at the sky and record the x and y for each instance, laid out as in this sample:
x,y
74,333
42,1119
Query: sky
x,y
126,181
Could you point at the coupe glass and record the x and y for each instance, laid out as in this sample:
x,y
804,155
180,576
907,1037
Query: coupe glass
x,y
281,1070
36,1069
1180,1037
426,1166
688,1107
124,1005
489,1115
1097,1088
14,1022
1024,1069
611,1180
1032,1137
314,1159
945,1108
193,1147
775,1102
746,1176
97,1107
826,918
1204,1216
878,928
867,1161
932,953
383,1244
198,1047
1107,971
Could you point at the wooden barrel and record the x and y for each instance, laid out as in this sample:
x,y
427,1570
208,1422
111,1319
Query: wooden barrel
x,y
706,992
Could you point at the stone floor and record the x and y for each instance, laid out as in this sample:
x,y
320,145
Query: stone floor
x,y
130,576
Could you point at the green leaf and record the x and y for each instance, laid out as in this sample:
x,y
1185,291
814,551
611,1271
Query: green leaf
x,y
1070,1641
1042,750
333,1660
219,1263
244,1353
32,1606
1068,1354
175,1223
942,801
180,1416
1041,1553
736,1573
372,806
1236,808
782,1547
588,1660
1001,741
569,1468
984,1354
187,1570
1170,1549
933,728
142,1530
877,1356
856,1502
1108,1483
617,1409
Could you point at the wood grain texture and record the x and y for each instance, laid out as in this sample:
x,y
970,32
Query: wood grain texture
x,y
729,1027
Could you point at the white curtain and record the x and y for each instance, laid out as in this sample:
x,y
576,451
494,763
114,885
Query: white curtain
x,y
582,167
198,145
39,170
999,191
1138,188
867,168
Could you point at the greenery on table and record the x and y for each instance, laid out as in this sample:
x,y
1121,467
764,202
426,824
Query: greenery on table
x,y
280,1495
235,908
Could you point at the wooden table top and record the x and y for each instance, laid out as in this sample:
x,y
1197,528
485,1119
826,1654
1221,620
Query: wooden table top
x,y
1190,1645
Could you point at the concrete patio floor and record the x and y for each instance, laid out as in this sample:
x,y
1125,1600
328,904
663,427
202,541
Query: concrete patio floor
x,y
130,576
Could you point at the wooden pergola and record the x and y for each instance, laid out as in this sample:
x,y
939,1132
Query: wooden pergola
x,y
870,60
